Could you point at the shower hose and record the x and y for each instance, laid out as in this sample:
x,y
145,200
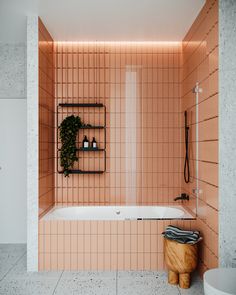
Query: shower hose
x,y
186,162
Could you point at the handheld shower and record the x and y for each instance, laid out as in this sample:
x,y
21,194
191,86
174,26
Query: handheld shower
x,y
186,161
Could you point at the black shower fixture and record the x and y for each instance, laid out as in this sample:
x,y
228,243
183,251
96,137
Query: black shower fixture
x,y
186,161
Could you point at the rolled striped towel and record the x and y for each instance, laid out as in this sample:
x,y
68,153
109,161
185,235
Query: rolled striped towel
x,y
181,236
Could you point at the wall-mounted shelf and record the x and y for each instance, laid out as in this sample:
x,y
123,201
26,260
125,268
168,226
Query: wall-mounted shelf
x,y
90,149
81,149
82,105
83,172
92,127
88,126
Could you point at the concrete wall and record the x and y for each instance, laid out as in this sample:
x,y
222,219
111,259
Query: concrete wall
x,y
32,143
227,133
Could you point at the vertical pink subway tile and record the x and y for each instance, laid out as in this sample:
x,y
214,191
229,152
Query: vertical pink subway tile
x,y
74,243
147,261
120,261
47,227
133,243
107,261
67,243
94,243
114,260
87,243
160,261
61,243
47,244
154,259
87,261
41,261
47,261
54,261
134,261
67,261
74,261
80,261
160,243
94,261
107,243
41,243
100,262
140,261
54,244
114,243
147,243
74,227
60,261
154,243
140,243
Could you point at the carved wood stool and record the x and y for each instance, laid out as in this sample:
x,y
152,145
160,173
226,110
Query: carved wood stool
x,y
181,260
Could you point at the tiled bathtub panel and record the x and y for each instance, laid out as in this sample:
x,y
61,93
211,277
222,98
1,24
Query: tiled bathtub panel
x,y
103,245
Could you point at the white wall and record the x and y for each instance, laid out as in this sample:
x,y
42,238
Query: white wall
x,y
13,131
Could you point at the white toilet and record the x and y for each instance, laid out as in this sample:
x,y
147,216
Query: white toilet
x,y
220,281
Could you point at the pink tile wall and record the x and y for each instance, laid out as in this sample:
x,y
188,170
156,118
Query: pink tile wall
x,y
97,72
46,120
200,63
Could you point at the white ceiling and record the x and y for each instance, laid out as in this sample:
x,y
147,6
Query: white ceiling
x,y
104,20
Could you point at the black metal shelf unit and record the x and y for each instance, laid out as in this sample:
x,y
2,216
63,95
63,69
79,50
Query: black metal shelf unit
x,y
88,126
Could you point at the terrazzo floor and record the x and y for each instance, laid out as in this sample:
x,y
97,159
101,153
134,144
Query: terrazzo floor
x,y
15,280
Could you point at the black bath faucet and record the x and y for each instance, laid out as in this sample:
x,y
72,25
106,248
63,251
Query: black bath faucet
x,y
183,196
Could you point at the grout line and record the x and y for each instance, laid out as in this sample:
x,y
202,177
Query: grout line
x,y
57,283
178,288
116,282
13,265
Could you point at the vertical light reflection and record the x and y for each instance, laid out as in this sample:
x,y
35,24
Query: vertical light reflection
x,y
131,101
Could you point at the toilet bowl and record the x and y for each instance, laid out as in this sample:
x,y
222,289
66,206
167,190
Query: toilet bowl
x,y
220,281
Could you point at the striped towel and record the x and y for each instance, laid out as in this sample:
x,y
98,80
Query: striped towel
x,y
181,236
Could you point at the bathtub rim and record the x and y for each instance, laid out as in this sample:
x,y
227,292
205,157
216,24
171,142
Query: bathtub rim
x,y
189,215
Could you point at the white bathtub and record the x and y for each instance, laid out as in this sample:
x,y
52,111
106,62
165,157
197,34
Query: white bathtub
x,y
116,213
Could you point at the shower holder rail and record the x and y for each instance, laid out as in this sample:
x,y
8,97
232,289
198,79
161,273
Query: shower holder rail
x,y
81,149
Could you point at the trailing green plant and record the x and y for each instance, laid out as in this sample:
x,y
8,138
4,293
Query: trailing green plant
x,y
69,128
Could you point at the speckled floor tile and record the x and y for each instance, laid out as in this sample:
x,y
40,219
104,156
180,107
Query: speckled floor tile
x,y
17,281
20,282
27,286
20,270
87,283
143,282
196,287
9,255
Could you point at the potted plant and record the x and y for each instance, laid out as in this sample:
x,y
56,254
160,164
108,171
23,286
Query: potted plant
x,y
69,128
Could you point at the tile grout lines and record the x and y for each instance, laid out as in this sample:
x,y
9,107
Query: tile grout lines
x,y
178,290
57,282
116,282
13,266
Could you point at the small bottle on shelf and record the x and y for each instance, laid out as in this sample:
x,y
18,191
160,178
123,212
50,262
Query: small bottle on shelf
x,y
94,143
85,142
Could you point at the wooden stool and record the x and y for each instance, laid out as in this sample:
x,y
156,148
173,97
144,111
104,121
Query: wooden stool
x,y
181,260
